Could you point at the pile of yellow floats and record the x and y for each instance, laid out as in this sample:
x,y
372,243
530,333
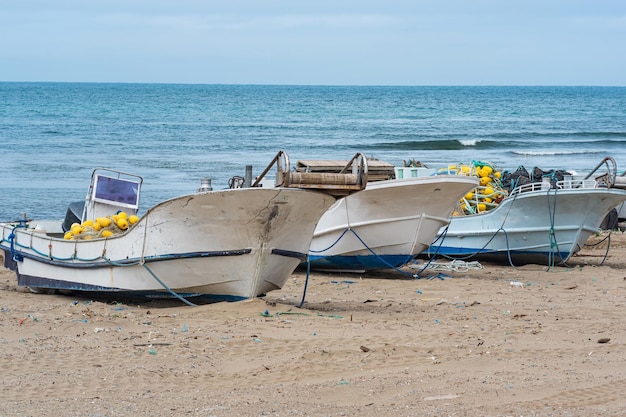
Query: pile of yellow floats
x,y
102,227
485,196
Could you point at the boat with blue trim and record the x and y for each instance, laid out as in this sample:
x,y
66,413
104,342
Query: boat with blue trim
x,y
544,218
389,223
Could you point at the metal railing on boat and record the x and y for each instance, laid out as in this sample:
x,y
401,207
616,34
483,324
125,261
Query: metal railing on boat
x,y
352,177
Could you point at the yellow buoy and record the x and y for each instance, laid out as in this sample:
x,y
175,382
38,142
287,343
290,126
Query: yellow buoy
x,y
488,191
469,195
487,170
497,174
87,223
481,207
487,200
485,180
132,219
77,230
122,223
68,236
104,221
107,233
96,226
122,215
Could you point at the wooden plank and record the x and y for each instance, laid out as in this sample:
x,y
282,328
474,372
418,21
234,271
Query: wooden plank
x,y
377,170
313,165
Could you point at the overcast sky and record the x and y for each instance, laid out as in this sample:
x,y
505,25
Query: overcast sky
x,y
333,42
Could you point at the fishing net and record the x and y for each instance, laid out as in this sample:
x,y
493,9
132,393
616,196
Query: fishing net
x,y
487,195
102,227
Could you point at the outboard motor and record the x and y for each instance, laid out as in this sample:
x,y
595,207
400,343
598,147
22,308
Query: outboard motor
x,y
73,215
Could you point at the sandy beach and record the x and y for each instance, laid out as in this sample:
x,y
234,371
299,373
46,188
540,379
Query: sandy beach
x,y
489,340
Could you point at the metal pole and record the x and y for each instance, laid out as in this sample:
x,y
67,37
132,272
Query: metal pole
x,y
247,182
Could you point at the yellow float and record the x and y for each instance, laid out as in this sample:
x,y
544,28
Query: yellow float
x,y
101,227
122,223
484,197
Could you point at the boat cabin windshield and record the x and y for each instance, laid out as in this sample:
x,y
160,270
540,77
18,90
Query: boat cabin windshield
x,y
111,191
116,191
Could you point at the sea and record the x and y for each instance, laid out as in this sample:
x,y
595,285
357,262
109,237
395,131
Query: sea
x,y
53,135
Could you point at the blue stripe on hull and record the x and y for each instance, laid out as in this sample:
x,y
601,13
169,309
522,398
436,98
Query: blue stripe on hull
x,y
359,262
524,256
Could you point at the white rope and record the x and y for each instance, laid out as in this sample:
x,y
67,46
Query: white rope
x,y
457,265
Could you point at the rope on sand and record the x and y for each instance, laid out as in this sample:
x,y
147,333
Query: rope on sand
x,y
456,265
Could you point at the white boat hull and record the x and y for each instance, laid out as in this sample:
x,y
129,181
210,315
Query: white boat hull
x,y
387,225
531,227
228,244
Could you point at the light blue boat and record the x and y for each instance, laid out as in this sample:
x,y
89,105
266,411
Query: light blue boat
x,y
538,222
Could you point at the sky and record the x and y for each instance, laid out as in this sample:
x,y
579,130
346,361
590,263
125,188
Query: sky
x,y
315,42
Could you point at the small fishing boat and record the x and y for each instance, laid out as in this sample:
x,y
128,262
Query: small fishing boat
x,y
545,219
227,244
389,223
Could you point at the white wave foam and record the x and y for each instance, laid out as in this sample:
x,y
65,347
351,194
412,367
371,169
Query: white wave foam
x,y
548,153
469,142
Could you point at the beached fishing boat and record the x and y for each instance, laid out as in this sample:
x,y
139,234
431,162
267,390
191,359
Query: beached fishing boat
x,y
389,223
545,219
227,244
